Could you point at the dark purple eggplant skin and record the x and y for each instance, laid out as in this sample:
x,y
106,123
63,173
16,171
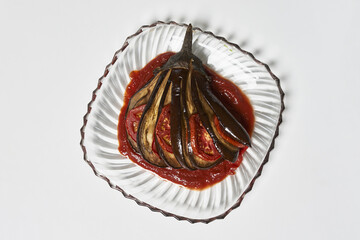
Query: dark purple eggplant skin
x,y
175,116
229,123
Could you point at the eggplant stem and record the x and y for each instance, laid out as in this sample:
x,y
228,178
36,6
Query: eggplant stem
x,y
187,44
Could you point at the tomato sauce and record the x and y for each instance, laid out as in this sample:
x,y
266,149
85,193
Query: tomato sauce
x,y
232,97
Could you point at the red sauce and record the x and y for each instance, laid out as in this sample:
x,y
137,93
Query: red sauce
x,y
232,97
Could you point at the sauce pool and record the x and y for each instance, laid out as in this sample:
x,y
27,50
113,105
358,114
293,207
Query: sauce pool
x,y
227,92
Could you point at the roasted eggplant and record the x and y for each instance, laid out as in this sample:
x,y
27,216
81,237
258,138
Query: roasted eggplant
x,y
181,89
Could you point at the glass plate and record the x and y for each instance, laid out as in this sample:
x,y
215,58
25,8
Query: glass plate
x,y
99,132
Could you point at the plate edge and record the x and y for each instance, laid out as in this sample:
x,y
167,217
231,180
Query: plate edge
x,y
155,209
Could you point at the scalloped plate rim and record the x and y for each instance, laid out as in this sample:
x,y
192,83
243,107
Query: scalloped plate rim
x,y
155,209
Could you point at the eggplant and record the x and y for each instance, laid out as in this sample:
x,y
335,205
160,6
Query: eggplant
x,y
183,83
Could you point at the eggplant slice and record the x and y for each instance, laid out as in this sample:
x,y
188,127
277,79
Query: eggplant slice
x,y
139,98
183,83
167,157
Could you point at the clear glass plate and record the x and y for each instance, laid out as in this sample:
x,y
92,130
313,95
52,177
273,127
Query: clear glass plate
x,y
99,133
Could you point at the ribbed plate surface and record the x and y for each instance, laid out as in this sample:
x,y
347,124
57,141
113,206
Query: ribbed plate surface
x,y
99,133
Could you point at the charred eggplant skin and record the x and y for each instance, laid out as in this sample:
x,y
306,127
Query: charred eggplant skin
x,y
146,129
183,79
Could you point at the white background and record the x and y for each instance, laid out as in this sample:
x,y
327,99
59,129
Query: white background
x,y
51,55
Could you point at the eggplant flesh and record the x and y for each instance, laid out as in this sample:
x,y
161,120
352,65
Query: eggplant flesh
x,y
183,83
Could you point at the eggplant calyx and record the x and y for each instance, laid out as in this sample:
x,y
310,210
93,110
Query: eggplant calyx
x,y
183,58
